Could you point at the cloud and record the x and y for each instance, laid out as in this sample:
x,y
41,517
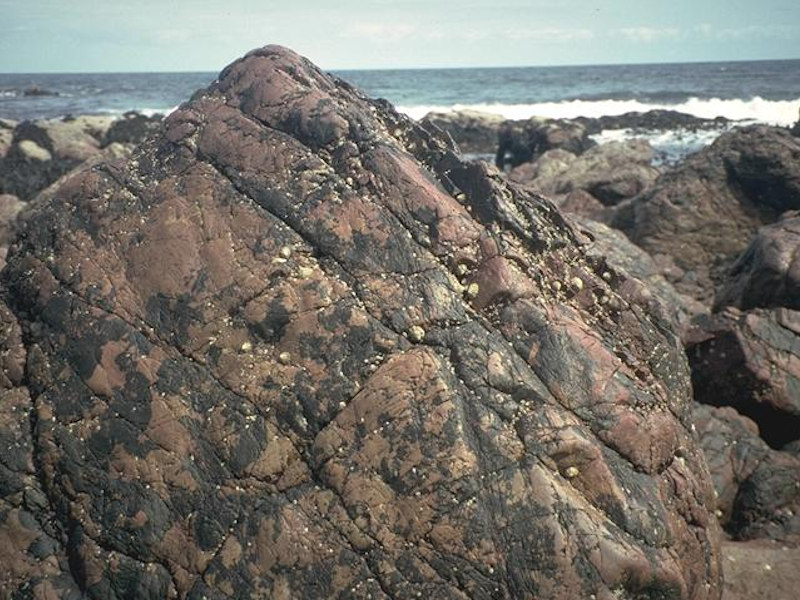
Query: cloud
x,y
380,32
647,35
549,34
749,32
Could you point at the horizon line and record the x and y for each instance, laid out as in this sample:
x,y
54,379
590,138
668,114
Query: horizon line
x,y
425,68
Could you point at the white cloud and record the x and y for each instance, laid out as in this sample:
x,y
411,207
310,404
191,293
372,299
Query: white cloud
x,y
750,32
647,35
549,34
380,32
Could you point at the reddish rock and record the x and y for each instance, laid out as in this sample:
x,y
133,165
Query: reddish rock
x,y
758,488
750,361
295,347
767,273
704,213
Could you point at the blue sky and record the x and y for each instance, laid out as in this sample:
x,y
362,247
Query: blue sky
x,y
205,35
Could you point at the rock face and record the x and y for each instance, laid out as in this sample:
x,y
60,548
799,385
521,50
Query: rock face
x,y
704,212
751,361
767,273
610,172
296,348
758,495
524,141
619,252
474,132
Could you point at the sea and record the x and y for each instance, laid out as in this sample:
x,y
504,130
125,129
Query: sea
x,y
747,92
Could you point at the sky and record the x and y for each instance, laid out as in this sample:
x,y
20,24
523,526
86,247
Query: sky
x,y
205,35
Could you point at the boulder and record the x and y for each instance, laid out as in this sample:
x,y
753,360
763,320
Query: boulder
x,y
6,136
757,491
131,129
295,347
610,172
474,132
520,142
750,361
652,120
704,212
582,203
767,273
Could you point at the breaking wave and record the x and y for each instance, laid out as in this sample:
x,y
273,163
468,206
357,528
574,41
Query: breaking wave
x,y
757,109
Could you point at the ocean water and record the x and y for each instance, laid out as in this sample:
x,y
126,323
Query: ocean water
x,y
765,91
756,91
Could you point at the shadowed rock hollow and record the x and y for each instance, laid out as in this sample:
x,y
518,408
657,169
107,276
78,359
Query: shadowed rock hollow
x,y
295,348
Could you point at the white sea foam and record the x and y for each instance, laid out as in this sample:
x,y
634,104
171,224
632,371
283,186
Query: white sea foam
x,y
147,112
757,109
670,146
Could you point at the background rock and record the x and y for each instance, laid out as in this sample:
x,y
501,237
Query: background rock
x,y
705,211
473,131
520,142
767,273
131,129
758,488
750,361
610,172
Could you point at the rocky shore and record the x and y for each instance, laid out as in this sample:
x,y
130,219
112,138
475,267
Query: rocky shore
x,y
289,343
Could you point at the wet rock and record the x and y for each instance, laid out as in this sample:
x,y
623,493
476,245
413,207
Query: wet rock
x,y
704,212
760,569
36,90
474,132
43,151
131,129
750,361
767,273
520,142
610,172
758,495
216,416
652,120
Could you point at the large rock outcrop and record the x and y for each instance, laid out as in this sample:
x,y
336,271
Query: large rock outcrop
x,y
295,348
705,211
